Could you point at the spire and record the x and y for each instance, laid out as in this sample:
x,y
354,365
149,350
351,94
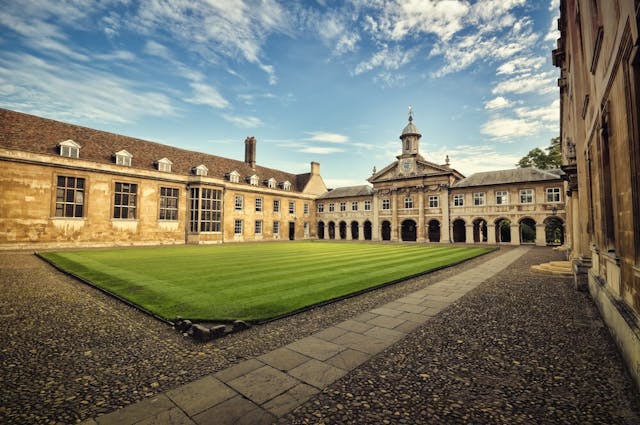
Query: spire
x,y
410,113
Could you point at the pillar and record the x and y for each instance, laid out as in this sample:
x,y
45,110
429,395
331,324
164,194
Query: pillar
x,y
515,234
394,216
375,223
421,230
445,226
361,231
468,232
541,235
491,233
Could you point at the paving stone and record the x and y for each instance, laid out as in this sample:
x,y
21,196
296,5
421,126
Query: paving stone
x,y
366,344
316,348
330,333
234,411
240,369
386,322
317,373
263,384
428,303
410,308
173,416
200,395
385,334
385,311
348,359
408,326
364,317
411,300
137,412
283,359
355,326
416,318
291,399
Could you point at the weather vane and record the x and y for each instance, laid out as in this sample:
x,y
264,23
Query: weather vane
x,y
410,113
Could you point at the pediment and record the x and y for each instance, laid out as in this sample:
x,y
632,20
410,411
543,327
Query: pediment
x,y
396,170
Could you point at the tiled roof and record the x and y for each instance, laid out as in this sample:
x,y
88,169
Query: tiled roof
x,y
344,192
515,175
30,133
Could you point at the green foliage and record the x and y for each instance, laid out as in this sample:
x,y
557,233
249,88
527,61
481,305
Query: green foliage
x,y
250,281
541,159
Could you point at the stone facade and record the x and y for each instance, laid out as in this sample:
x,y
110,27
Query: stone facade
x,y
599,91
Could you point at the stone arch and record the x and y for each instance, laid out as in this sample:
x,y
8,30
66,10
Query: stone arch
x,y
332,230
459,230
355,230
343,230
479,230
409,230
321,230
433,232
367,230
554,230
527,230
385,230
503,230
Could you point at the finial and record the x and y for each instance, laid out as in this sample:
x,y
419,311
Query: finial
x,y
446,160
410,113
374,170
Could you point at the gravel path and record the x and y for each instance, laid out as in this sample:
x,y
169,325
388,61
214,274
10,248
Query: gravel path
x,y
521,348
70,352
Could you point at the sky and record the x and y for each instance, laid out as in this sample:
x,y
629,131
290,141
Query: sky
x,y
317,80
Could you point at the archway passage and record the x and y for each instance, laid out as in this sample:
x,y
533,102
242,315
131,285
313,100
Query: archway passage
x,y
386,231
479,230
434,231
355,230
459,231
321,230
409,231
527,231
343,230
503,230
554,231
367,230
332,230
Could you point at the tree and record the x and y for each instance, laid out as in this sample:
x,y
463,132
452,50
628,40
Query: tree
x,y
541,159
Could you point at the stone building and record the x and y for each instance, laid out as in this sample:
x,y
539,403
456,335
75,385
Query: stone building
x,y
599,93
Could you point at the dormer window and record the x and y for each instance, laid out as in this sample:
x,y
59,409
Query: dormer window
x,y
254,180
123,158
285,185
271,183
201,170
234,177
69,148
164,164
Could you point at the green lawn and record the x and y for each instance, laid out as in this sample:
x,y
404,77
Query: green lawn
x,y
250,281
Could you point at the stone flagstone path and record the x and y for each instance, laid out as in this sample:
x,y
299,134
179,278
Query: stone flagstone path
x,y
260,390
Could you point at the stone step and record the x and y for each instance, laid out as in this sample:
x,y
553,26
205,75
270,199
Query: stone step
x,y
556,268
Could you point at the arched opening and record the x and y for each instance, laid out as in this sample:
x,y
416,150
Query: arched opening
x,y
434,231
527,231
321,230
367,230
459,231
386,231
554,231
409,231
503,231
355,230
332,230
479,230
343,230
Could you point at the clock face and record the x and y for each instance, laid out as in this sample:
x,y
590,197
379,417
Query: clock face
x,y
406,165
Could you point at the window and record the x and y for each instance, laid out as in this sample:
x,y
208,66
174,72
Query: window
x,y
271,183
258,227
386,204
168,203
164,165
70,149
502,197
201,170
276,205
408,202
343,206
367,205
354,206
258,204
306,209
237,227
553,194
123,158
292,207
276,227
70,197
320,207
125,200
478,198
253,180
332,207
458,200
239,202
286,185
205,209
526,196
234,177
434,201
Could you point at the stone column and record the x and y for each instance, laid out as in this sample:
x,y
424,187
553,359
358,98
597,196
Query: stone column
x,y
361,231
349,235
445,232
491,233
375,223
421,228
541,235
515,234
468,233
394,215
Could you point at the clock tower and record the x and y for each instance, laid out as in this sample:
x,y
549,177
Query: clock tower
x,y
410,138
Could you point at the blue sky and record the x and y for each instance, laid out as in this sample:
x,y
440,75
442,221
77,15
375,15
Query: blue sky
x,y
327,81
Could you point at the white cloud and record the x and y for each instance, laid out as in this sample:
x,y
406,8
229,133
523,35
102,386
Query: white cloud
x,y
243,122
473,159
545,113
505,128
527,83
318,136
320,150
334,183
204,94
386,58
497,103
154,48
520,65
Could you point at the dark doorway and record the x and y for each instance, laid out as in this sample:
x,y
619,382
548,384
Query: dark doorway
x,y
554,231
343,230
503,231
386,231
355,230
321,230
527,231
409,231
434,231
332,230
367,230
459,231
292,230
479,230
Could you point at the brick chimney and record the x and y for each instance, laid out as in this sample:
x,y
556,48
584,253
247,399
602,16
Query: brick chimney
x,y
250,151
315,168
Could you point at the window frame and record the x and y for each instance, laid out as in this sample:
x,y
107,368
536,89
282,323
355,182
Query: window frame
x,y
434,201
292,207
258,227
367,205
276,205
408,202
259,204
63,193
458,199
332,207
385,204
526,193
479,199
238,203
125,200
555,192
320,207
169,203
238,227
343,206
354,205
205,210
276,227
503,195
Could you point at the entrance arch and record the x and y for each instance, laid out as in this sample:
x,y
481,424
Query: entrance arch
x,y
321,230
367,230
332,230
527,231
409,232
503,230
459,231
479,230
343,230
355,230
554,231
386,231
434,231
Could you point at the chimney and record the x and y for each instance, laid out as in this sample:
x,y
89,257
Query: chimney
x,y
315,168
250,151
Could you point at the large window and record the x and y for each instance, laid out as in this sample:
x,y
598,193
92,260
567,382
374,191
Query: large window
x,y
386,204
125,200
320,207
343,206
237,227
354,206
168,203
205,209
458,200
553,194
332,207
408,202
502,197
478,198
258,227
526,196
434,201
292,207
306,209
367,205
258,204
276,227
70,197
239,202
276,206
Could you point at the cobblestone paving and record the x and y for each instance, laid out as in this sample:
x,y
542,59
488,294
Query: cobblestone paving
x,y
70,352
521,348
